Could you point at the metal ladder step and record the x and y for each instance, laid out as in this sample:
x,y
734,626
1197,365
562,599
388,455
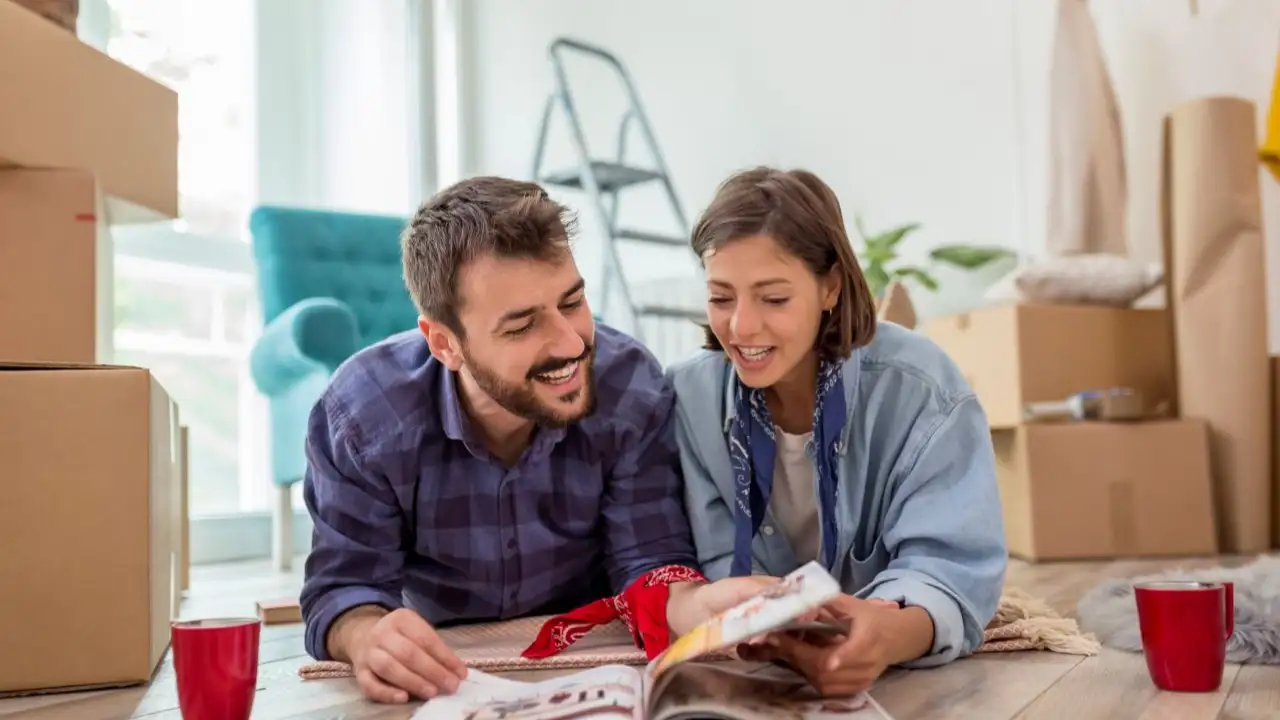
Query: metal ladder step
x,y
667,311
609,176
604,179
645,236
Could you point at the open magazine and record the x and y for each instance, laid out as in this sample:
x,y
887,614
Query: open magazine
x,y
676,685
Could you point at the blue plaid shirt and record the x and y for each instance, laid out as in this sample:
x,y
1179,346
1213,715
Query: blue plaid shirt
x,y
411,510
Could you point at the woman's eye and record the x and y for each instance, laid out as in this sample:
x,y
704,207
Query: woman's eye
x,y
777,301
718,300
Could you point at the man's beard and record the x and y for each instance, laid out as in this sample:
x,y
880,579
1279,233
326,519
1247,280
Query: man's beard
x,y
522,400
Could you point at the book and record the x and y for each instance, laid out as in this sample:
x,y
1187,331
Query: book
x,y
680,683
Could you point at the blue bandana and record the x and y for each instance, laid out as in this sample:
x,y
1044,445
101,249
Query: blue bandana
x,y
752,450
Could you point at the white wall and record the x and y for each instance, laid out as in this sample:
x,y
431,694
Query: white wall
x,y
916,110
904,107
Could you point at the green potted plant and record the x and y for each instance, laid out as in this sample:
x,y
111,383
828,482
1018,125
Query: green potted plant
x,y
879,253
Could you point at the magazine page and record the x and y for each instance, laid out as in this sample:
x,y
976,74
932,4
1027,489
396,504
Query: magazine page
x,y
610,691
703,690
798,594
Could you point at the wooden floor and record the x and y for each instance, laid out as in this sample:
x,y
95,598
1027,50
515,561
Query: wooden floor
x,y
989,686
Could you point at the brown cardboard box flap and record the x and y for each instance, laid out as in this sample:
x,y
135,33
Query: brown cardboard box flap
x,y
68,105
1012,354
1216,264
896,306
56,257
16,366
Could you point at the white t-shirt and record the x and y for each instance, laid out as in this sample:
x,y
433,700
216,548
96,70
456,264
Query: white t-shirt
x,y
794,496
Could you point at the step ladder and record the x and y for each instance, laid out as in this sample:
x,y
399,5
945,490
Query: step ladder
x,y
602,180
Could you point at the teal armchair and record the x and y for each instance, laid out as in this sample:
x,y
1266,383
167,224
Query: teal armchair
x,y
330,284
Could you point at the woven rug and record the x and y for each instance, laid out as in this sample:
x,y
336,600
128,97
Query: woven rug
x,y
1021,623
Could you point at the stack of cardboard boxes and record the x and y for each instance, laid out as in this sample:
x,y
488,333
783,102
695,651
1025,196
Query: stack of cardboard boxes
x,y
91,465
1086,489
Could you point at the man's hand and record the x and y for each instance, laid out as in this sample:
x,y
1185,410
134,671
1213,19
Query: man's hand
x,y
396,655
880,635
690,604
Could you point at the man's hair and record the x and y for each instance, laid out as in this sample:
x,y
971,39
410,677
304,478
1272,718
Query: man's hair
x,y
472,218
800,213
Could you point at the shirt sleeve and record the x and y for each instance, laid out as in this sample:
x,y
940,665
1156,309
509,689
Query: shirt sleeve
x,y
945,535
356,555
645,525
710,515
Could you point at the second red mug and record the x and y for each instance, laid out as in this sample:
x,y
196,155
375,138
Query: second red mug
x,y
1185,626
216,663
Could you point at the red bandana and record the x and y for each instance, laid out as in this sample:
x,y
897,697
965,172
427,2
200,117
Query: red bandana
x,y
642,606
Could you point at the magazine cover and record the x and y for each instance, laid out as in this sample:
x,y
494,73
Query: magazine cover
x,y
676,685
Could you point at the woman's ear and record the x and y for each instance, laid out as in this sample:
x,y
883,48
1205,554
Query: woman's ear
x,y
831,283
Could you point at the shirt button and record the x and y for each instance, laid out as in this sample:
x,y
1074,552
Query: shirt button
x,y
511,544
767,529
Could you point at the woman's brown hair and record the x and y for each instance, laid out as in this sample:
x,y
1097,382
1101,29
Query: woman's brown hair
x,y
800,213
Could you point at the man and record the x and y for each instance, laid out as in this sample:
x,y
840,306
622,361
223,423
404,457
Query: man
x,y
507,458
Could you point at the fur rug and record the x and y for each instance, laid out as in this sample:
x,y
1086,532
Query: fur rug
x,y
1109,611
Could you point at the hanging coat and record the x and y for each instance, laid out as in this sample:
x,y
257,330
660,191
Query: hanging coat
x,y
1086,190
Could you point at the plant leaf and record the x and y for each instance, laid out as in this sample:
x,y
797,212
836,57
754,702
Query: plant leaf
x,y
879,255
877,279
890,238
920,276
969,257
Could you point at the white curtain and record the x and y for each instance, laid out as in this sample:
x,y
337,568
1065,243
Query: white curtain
x,y
343,99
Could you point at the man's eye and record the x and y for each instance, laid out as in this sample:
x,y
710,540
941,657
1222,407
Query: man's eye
x,y
574,304
520,330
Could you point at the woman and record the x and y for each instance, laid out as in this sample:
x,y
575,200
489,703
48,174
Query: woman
x,y
808,431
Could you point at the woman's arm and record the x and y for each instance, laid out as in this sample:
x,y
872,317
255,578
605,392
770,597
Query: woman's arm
x,y
944,532
710,517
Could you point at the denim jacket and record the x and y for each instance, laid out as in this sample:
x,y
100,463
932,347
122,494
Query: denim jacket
x,y
919,514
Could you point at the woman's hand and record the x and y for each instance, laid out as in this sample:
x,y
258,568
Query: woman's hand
x,y
880,635
693,604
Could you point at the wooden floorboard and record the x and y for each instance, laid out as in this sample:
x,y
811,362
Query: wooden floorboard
x,y
996,686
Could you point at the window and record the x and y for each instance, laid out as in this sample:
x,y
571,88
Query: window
x,y
193,328
186,304
204,51
271,94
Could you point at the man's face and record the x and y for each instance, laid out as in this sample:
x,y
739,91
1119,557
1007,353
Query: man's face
x,y
529,337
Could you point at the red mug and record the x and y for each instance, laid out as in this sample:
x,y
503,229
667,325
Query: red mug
x,y
216,664
1185,626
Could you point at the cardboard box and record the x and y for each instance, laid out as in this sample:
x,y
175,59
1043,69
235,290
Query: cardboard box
x,y
1105,490
67,105
1275,451
279,611
85,521
1020,353
56,269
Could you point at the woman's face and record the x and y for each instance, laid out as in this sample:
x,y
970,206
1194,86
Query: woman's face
x,y
764,307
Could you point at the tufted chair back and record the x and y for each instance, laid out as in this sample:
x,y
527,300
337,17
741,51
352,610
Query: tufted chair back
x,y
354,258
